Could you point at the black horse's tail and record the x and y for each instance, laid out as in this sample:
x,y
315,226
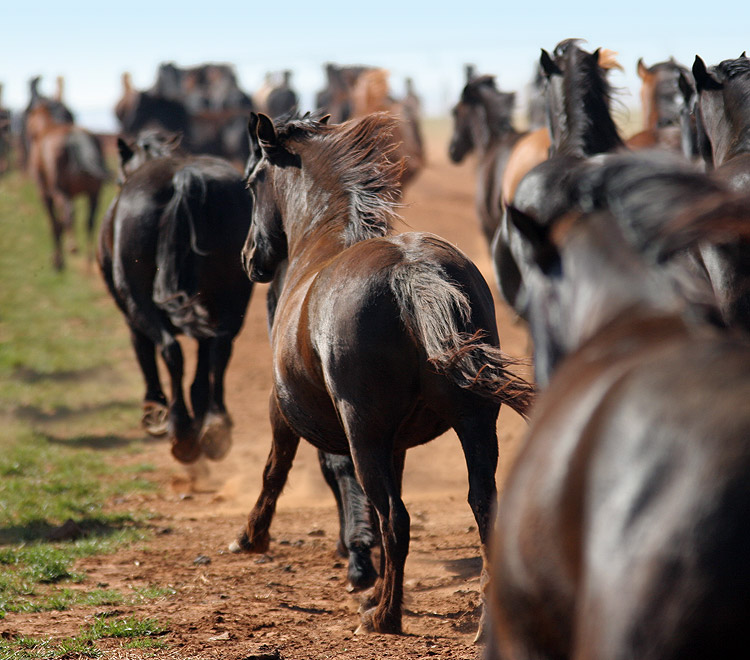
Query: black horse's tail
x,y
86,155
437,311
175,285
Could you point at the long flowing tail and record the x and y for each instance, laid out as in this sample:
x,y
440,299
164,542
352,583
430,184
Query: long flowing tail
x,y
437,311
175,288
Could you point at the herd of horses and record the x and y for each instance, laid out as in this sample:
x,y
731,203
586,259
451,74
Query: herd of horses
x,y
621,529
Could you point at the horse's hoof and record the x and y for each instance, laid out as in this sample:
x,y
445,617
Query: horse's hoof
x,y
370,623
361,573
482,629
243,544
186,451
216,436
154,418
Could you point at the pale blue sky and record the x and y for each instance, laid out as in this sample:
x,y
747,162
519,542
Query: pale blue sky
x,y
92,43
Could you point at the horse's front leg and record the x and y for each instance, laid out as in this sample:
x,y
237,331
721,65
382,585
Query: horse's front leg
x,y
215,436
58,260
255,536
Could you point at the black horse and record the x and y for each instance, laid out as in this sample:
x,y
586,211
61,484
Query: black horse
x,y
622,528
169,252
483,123
578,97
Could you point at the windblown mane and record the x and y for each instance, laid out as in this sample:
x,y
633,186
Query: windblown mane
x,y
737,94
356,155
588,96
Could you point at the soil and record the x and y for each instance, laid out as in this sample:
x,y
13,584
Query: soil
x,y
293,602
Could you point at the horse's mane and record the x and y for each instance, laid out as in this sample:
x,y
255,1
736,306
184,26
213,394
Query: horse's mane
x,y
356,155
644,191
588,96
730,69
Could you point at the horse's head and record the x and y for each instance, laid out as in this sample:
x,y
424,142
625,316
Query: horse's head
x,y
661,97
266,244
722,106
482,111
150,144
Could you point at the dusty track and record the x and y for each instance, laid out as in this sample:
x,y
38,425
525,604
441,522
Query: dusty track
x,y
294,600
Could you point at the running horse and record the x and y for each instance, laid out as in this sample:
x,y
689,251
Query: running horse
x,y
578,97
622,527
66,161
169,251
482,122
380,342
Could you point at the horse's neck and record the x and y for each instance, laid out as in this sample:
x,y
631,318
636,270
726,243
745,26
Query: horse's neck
x,y
589,129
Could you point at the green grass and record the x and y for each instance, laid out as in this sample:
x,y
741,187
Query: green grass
x,y
68,417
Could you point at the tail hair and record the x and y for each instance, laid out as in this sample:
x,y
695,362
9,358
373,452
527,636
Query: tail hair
x,y
174,286
437,312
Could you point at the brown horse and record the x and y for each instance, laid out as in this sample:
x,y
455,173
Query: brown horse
x,y
380,342
662,101
622,528
371,93
65,161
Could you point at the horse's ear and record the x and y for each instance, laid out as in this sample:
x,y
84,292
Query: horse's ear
x,y
174,140
125,150
703,79
266,132
686,86
252,126
548,64
324,119
642,70
537,236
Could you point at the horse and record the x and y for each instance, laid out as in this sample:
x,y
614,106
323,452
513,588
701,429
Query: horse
x,y
277,98
335,98
169,251
662,100
65,161
371,93
622,527
5,135
580,126
482,122
380,342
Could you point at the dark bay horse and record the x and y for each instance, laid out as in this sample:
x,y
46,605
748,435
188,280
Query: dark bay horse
x,y
622,527
169,251
380,342
662,102
483,123
66,161
578,98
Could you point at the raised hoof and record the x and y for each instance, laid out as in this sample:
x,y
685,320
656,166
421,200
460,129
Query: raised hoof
x,y
187,451
154,418
216,436
370,624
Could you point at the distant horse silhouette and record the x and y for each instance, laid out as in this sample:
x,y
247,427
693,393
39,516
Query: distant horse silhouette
x,y
380,342
5,135
277,98
169,251
65,161
335,98
622,527
662,101
580,126
483,122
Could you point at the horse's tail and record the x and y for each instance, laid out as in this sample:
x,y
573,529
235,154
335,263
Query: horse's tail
x,y
86,155
436,310
175,285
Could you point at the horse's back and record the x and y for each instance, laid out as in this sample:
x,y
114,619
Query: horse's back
x,y
625,517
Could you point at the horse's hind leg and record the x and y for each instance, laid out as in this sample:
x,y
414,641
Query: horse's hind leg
x,y
356,535
57,232
91,224
216,428
154,419
478,436
255,536
66,204
185,447
379,472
